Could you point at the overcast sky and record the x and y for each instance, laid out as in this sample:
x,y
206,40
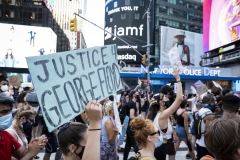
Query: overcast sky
x,y
95,13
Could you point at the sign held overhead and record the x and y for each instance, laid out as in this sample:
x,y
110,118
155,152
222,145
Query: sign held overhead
x,y
66,81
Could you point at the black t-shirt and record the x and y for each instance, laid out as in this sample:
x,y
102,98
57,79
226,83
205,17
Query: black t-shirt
x,y
122,112
131,105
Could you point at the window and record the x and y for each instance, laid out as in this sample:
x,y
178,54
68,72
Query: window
x,y
13,2
123,16
7,14
11,14
127,2
33,16
111,19
137,15
141,3
106,9
115,4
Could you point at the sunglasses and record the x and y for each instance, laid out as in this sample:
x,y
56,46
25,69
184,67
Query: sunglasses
x,y
157,132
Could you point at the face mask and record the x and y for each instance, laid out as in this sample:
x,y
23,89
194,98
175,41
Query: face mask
x,y
81,153
5,122
4,88
27,125
210,106
159,143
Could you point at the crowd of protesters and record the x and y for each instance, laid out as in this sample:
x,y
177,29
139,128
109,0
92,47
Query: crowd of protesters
x,y
155,125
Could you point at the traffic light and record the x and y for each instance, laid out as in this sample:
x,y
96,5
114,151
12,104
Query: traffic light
x,y
73,25
144,59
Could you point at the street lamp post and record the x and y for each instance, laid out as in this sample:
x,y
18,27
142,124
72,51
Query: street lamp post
x,y
148,42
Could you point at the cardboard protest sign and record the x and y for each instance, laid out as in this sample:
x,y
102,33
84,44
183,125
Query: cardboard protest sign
x,y
201,90
14,81
217,85
175,59
198,84
66,81
193,90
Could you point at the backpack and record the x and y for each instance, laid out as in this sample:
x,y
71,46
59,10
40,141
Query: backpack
x,y
197,123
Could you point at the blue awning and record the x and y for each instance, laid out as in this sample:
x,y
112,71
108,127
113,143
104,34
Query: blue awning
x,y
184,77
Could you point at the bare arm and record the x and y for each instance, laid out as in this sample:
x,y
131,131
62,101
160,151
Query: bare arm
x,y
208,119
185,117
34,147
136,87
110,132
187,52
94,112
21,153
132,113
168,112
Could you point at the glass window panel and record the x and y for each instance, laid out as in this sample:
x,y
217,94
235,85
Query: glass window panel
x,y
137,15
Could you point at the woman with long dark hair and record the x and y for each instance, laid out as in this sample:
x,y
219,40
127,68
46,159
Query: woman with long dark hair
x,y
160,115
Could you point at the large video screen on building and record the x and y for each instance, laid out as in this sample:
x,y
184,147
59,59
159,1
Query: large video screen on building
x,y
189,44
19,41
124,18
221,23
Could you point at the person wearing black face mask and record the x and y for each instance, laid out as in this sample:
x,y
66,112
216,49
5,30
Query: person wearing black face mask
x,y
24,116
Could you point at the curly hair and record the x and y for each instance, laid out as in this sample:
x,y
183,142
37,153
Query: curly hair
x,y
26,111
142,128
108,106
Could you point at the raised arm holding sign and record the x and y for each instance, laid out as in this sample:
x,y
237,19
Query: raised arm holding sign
x,y
66,81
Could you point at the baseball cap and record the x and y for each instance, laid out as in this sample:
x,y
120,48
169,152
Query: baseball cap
x,y
6,99
32,99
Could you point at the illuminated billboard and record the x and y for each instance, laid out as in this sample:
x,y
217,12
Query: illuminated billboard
x,y
19,41
220,23
125,19
189,44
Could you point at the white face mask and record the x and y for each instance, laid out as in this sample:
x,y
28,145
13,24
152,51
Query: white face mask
x,y
4,88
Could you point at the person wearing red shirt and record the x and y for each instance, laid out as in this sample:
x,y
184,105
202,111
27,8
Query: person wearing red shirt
x,y
8,145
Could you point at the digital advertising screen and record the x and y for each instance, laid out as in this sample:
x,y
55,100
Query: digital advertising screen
x,y
19,41
221,23
126,20
189,44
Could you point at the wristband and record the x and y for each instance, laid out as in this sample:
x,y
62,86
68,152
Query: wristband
x,y
178,81
95,129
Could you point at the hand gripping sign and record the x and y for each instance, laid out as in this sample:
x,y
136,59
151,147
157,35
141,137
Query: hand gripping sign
x,y
66,81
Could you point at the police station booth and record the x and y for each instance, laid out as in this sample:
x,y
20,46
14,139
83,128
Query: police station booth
x,y
190,75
